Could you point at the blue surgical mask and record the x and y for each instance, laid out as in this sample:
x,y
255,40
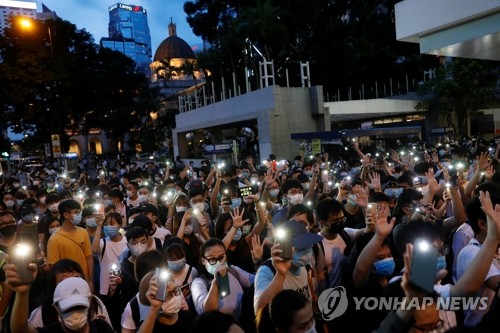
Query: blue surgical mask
x,y
111,231
177,265
235,202
384,267
77,218
91,223
302,257
237,235
393,192
351,199
440,263
108,202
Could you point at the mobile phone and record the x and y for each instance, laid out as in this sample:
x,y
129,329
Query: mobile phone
x,y
162,276
223,284
115,270
22,256
423,267
244,191
285,241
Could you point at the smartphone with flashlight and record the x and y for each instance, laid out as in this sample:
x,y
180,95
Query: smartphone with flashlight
x,y
285,242
223,284
162,276
423,267
22,256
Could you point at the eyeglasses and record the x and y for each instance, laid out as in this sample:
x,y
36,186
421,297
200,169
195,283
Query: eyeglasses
x,y
213,261
176,292
339,220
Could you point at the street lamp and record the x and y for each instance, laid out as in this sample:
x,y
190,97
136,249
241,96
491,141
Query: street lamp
x,y
27,24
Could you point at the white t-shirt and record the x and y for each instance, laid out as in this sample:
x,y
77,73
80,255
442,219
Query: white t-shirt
x,y
127,319
161,233
461,238
111,256
231,304
334,254
465,258
179,279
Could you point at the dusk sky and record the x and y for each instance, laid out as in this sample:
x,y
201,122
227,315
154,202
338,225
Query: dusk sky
x,y
93,16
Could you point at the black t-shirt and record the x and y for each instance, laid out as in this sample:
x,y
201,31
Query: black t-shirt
x,y
96,326
182,324
241,256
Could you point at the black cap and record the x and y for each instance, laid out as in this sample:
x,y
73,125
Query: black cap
x,y
142,221
147,208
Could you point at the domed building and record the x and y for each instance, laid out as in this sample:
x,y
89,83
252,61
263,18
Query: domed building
x,y
174,67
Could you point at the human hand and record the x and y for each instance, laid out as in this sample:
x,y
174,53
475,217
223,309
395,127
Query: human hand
x,y
12,277
382,227
361,195
281,265
483,161
151,294
431,181
257,248
492,215
237,217
374,183
269,178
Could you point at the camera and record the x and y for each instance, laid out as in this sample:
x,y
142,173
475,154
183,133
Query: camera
x,y
115,270
22,256
285,242
424,256
162,276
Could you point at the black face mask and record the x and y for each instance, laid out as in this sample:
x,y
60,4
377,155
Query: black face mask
x,y
8,231
336,228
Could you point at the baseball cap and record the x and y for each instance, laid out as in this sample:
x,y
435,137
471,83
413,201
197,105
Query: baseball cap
x,y
301,238
148,208
142,221
71,292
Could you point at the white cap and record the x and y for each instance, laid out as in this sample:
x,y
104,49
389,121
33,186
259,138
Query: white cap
x,y
70,292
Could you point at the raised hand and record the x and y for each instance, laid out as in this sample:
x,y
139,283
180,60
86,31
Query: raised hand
x,y
361,195
431,181
281,265
257,248
483,161
492,215
374,181
238,217
269,178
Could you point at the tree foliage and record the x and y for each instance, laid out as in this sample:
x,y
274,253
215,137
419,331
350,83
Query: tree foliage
x,y
54,79
460,88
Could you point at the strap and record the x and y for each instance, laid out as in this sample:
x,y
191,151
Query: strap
x,y
158,243
187,275
136,315
103,247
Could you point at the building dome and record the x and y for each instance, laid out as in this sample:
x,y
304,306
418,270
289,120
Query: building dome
x,y
173,47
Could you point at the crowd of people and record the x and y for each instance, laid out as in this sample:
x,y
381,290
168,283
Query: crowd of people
x,y
308,245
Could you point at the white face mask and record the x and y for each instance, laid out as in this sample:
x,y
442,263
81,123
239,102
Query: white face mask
x,y
143,198
296,199
138,249
200,206
75,320
188,230
54,207
179,208
172,306
312,329
274,193
9,203
130,194
305,186
52,230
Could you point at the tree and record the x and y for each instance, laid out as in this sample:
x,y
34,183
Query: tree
x,y
460,88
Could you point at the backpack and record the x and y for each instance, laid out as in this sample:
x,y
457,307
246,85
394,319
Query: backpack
x,y
136,314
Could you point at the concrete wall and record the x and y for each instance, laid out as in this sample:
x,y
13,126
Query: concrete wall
x,y
278,111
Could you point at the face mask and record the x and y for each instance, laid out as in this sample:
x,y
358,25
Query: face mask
x,y
351,199
9,203
200,206
108,202
75,320
8,231
237,236
143,198
336,228
50,185
246,229
54,207
384,267
393,192
305,186
91,223
188,230
296,199
309,173
52,230
111,231
246,175
274,193
302,257
445,164
177,265
236,202
138,249
172,306
129,194
36,182
247,200
179,208
20,202
212,268
240,176
16,185
77,219
441,263
27,218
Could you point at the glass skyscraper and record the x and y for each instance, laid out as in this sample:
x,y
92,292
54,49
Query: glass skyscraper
x,y
129,33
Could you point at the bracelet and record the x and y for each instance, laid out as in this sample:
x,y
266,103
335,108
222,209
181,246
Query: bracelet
x,y
234,227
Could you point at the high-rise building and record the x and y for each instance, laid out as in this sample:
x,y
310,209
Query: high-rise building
x,y
129,24
15,8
